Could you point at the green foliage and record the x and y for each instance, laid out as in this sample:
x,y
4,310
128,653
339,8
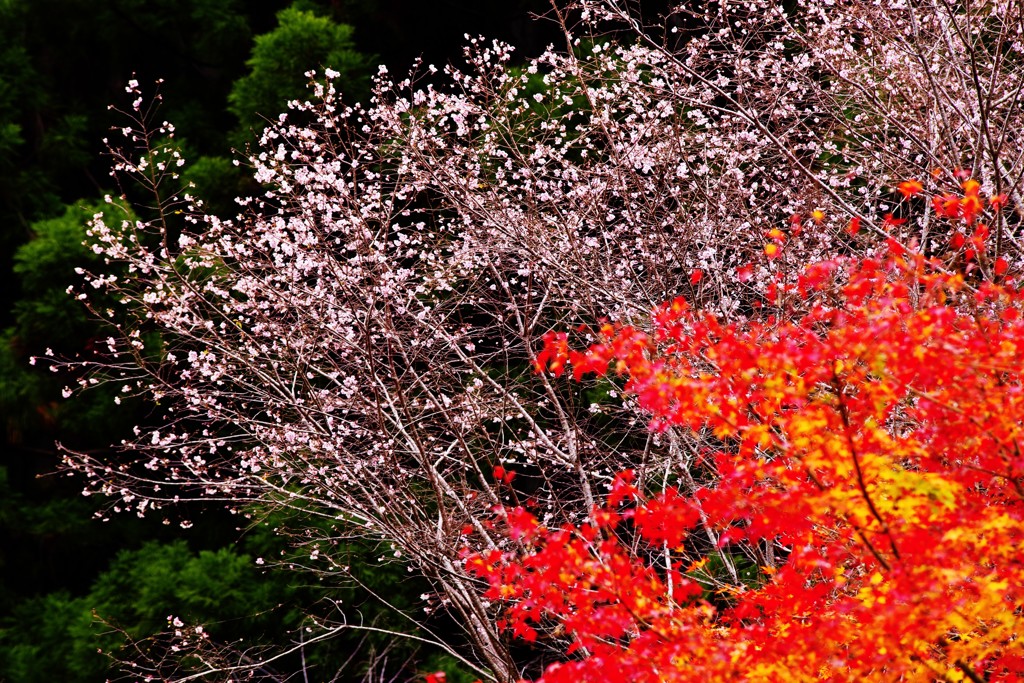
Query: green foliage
x,y
46,267
25,190
57,243
55,637
143,586
47,317
10,138
42,641
302,41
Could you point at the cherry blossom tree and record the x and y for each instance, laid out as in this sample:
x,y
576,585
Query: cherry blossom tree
x,y
357,345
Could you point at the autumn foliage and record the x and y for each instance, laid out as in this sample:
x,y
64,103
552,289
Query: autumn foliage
x,y
866,494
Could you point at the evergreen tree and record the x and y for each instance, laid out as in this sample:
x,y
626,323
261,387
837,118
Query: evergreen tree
x,y
302,41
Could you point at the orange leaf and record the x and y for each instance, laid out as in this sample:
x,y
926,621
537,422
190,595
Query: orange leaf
x,y
908,188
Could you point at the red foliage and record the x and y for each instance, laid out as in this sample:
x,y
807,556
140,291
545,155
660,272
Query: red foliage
x,y
866,502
